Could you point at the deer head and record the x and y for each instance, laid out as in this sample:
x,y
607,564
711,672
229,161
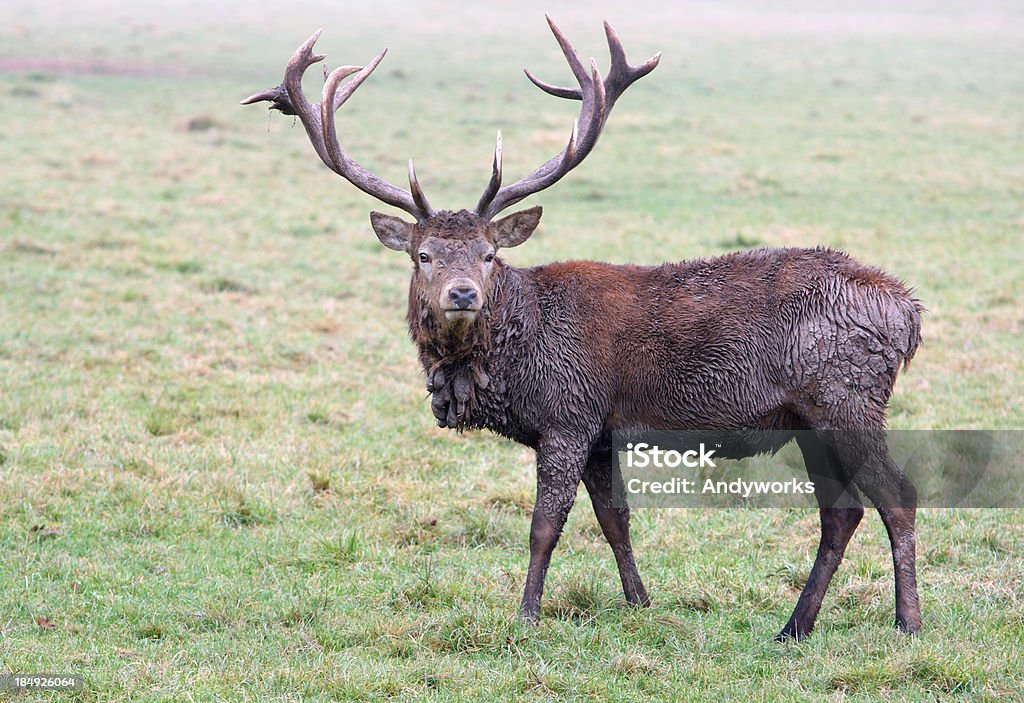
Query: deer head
x,y
453,253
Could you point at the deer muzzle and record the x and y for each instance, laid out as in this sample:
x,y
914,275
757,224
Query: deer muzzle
x,y
461,300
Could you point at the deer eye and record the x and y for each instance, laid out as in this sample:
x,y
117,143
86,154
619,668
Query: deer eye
x,y
489,258
424,257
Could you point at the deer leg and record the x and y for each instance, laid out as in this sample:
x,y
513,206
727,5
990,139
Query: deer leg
x,y
900,524
614,523
841,511
895,497
558,476
867,461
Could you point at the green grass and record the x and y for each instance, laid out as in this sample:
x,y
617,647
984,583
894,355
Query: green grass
x,y
219,477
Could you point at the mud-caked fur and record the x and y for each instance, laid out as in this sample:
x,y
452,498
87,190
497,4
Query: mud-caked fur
x,y
561,355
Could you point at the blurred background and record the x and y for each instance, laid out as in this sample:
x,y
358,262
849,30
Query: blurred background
x,y
218,468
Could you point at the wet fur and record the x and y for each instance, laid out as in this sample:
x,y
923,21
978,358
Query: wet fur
x,y
785,339
749,340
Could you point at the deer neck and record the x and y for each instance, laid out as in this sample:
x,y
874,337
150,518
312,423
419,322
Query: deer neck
x,y
471,371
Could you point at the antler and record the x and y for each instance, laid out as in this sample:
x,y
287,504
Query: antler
x,y
598,99
318,119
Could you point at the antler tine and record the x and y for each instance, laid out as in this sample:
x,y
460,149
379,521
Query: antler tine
x,y
621,75
417,193
328,99
597,95
363,74
557,91
570,148
302,59
495,182
277,97
318,120
569,52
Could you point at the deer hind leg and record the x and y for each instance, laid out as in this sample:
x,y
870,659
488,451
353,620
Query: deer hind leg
x,y
841,511
866,459
614,520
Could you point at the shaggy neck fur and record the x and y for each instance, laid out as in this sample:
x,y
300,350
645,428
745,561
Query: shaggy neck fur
x,y
467,367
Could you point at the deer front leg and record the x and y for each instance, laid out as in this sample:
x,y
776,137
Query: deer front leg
x,y
559,468
614,519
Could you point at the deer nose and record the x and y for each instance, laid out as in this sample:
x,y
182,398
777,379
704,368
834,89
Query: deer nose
x,y
462,298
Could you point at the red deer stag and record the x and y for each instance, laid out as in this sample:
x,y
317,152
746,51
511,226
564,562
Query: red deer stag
x,y
558,357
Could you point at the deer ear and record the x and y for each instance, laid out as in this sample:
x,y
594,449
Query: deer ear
x,y
515,229
393,232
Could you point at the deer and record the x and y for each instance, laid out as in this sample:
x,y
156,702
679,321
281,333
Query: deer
x,y
803,341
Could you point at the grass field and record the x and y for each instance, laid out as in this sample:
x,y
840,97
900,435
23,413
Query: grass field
x,y
219,475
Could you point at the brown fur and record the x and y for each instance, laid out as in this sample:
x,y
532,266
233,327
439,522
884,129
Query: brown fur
x,y
561,355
